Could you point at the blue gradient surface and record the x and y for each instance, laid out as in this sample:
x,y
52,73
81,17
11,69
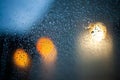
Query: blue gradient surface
x,y
16,16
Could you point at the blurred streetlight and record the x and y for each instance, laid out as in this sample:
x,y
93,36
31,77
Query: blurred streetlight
x,y
95,48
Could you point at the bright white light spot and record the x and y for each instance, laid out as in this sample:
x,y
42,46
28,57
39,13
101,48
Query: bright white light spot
x,y
95,42
97,33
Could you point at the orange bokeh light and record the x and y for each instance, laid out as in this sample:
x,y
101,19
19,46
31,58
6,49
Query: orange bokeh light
x,y
46,49
21,58
45,46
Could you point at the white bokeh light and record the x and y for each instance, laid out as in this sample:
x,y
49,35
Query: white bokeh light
x,y
97,33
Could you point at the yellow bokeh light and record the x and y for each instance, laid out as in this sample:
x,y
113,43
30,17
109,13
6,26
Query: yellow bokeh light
x,y
21,58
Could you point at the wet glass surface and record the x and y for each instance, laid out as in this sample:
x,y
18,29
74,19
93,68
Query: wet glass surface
x,y
65,52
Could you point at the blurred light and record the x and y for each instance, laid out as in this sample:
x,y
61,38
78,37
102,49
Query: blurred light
x,y
21,58
98,31
46,49
95,41
48,53
95,51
